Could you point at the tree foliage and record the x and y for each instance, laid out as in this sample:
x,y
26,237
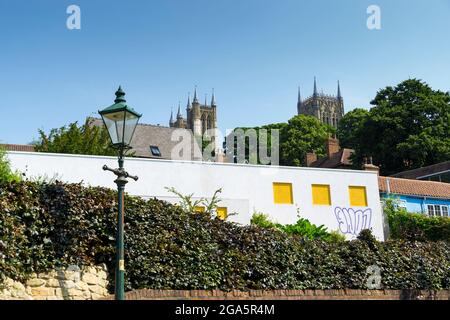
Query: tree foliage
x,y
300,135
303,134
415,226
303,227
76,139
408,127
43,226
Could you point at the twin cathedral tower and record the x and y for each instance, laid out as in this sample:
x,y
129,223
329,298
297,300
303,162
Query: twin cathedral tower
x,y
328,109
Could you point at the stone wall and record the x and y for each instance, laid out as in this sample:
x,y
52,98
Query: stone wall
x,y
73,283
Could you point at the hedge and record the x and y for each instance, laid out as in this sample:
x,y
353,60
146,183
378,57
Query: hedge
x,y
417,226
43,226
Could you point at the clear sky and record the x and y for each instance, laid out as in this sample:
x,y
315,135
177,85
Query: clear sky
x,y
253,52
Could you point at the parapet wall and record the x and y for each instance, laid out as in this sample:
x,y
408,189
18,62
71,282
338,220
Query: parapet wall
x,y
342,294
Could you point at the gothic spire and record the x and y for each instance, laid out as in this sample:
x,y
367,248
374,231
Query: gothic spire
x,y
195,95
189,101
179,111
171,117
206,99
213,100
299,98
315,87
339,91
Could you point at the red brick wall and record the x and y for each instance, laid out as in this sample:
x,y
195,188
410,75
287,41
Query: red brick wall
x,y
347,294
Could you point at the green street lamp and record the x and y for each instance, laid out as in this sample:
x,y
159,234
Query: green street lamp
x,y
121,121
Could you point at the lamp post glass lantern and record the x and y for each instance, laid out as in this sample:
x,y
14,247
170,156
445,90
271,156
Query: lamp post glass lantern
x,y
120,120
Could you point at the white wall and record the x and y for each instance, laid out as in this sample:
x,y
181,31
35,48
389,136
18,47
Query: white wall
x,y
245,188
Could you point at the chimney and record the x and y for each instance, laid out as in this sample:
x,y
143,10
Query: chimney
x,y
369,166
310,158
331,146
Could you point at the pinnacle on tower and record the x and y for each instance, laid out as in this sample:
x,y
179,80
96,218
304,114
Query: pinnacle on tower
x,y
339,91
188,106
299,98
206,99
213,100
179,116
171,117
195,95
315,87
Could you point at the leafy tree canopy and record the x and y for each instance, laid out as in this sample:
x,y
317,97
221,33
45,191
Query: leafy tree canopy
x,y
300,135
75,139
408,127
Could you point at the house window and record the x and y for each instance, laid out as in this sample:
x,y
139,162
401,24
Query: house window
x,y
282,193
358,196
155,151
222,213
430,210
444,211
402,204
321,194
437,210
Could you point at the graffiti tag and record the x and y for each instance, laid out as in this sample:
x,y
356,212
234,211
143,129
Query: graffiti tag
x,y
352,221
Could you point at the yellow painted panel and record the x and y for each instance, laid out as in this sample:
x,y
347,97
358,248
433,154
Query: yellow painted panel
x,y
222,213
358,196
321,194
282,193
199,209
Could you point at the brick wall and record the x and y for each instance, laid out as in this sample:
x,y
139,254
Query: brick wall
x,y
347,294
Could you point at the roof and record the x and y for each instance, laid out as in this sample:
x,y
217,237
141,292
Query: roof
x,y
424,171
18,147
337,160
147,135
415,187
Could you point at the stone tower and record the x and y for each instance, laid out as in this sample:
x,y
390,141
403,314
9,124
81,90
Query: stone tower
x,y
200,117
327,108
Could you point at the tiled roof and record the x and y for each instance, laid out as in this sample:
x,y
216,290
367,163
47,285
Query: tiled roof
x,y
415,187
147,135
424,171
18,147
338,159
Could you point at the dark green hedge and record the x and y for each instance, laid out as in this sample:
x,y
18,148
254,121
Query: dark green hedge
x,y
407,225
48,225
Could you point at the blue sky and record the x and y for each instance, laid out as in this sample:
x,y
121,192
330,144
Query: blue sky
x,y
253,52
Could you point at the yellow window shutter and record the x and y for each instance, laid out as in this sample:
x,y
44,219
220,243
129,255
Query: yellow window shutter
x,y
358,196
282,193
321,194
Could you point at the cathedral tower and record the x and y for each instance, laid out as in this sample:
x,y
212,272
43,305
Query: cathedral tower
x,y
199,117
328,109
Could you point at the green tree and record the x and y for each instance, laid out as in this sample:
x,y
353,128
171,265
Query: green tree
x,y
351,126
85,139
252,152
300,135
303,134
408,127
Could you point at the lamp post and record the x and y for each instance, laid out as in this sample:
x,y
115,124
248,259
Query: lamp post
x,y
120,120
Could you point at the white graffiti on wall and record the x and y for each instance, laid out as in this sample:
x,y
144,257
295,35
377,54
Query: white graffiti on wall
x,y
352,221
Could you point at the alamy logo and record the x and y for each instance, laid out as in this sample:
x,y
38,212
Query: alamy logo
x,y
74,20
374,19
